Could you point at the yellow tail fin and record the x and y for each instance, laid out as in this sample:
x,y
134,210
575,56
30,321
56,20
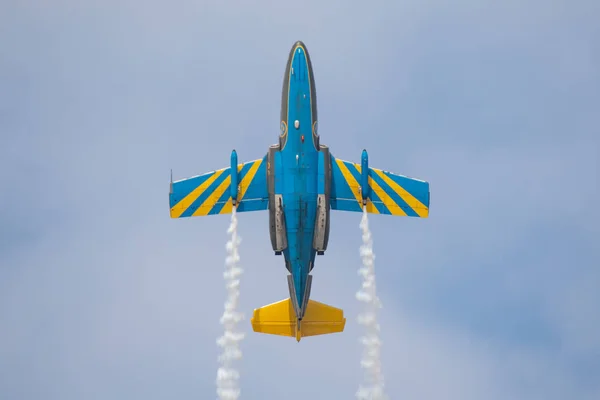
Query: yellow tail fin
x,y
280,319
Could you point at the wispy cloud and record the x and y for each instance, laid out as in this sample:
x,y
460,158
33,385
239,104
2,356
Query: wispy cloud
x,y
494,296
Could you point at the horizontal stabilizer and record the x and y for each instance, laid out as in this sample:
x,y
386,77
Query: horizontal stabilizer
x,y
280,319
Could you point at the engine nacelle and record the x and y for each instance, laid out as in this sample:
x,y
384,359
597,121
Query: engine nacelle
x,y
277,229
234,178
321,235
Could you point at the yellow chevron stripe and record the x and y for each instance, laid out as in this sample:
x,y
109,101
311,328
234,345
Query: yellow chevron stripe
x,y
244,185
412,202
371,208
350,180
386,199
247,180
209,203
227,208
187,201
212,200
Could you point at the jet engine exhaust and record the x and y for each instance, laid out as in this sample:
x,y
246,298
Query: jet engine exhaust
x,y
227,375
372,389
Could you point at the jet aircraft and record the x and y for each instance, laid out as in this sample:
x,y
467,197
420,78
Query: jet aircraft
x,y
299,181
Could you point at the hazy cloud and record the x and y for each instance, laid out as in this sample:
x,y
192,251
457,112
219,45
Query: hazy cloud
x,y
495,295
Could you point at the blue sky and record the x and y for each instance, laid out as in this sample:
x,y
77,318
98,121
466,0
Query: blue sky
x,y
495,296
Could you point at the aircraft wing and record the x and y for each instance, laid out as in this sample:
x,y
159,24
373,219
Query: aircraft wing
x,y
210,193
389,193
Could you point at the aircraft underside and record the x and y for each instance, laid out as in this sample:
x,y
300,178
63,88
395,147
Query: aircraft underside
x,y
277,224
294,229
299,182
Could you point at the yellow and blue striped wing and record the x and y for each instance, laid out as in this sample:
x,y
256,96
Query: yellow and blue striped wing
x,y
389,194
210,193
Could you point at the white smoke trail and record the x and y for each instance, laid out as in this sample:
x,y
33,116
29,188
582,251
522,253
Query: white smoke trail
x,y
227,375
371,361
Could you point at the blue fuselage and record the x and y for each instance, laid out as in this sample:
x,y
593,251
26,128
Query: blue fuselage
x,y
299,164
